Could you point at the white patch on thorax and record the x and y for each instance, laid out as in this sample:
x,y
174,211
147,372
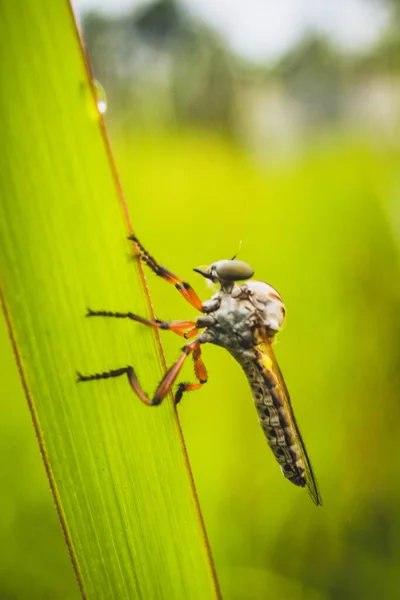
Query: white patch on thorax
x,y
239,309
268,302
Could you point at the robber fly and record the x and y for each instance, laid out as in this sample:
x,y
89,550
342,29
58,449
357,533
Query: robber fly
x,y
243,318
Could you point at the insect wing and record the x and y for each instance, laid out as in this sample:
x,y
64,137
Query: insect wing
x,y
310,477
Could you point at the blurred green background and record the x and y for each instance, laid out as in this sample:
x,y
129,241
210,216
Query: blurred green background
x,y
297,157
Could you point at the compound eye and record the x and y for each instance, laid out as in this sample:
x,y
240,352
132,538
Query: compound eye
x,y
233,270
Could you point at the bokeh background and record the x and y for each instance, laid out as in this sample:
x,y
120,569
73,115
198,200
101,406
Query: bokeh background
x,y
274,126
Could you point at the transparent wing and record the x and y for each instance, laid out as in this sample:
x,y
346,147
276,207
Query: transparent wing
x,y
309,473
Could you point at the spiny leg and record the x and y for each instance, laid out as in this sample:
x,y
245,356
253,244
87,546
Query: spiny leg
x,y
183,287
163,387
200,372
186,329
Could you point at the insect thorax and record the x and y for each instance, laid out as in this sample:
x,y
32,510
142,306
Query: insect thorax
x,y
237,312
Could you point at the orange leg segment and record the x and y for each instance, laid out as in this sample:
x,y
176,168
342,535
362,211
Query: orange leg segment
x,y
200,372
183,288
165,384
186,329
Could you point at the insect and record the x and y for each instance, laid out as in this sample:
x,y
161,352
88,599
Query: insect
x,y
243,318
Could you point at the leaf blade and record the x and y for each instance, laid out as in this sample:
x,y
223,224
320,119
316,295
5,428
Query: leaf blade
x,y
63,245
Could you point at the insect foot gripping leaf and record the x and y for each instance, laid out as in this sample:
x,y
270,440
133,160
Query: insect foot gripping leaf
x,y
243,319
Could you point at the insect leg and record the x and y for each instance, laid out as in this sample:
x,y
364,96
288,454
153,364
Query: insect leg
x,y
185,329
200,372
163,387
183,288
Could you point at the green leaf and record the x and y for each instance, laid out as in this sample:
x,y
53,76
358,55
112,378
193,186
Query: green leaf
x,y
118,469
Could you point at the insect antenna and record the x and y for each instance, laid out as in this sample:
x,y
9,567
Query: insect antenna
x,y
239,249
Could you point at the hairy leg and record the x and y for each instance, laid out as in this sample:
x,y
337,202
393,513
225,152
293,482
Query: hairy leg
x,y
183,287
200,372
186,329
163,387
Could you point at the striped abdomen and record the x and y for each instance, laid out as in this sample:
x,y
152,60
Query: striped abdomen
x,y
276,421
